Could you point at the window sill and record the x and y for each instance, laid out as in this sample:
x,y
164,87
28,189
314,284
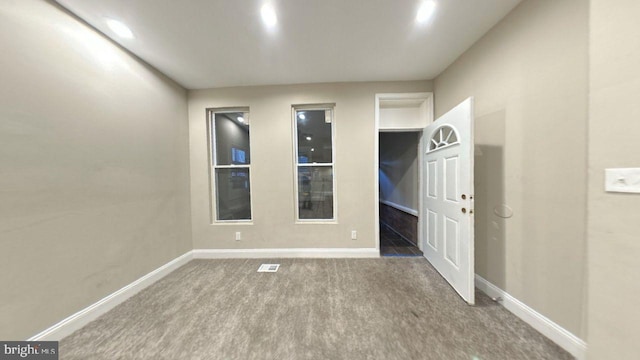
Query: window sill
x,y
316,222
233,222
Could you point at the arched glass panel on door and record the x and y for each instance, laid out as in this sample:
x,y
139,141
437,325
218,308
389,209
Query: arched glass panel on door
x,y
444,136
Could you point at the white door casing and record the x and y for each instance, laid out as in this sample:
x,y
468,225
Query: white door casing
x,y
448,198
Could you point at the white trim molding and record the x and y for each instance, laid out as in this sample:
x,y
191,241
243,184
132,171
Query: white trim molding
x,y
400,207
286,253
427,113
83,317
556,333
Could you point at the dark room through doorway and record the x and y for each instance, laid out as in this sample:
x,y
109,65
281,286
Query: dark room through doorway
x,y
399,185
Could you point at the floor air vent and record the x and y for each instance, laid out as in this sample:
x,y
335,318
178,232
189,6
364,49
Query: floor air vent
x,y
268,267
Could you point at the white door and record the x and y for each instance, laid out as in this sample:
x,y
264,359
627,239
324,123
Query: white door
x,y
448,202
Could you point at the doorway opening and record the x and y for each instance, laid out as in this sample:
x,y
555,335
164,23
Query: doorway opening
x,y
400,119
445,176
399,186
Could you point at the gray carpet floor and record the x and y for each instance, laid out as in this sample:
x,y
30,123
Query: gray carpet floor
x,y
387,308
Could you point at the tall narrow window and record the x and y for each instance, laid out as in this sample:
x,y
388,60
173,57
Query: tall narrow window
x,y
231,164
314,163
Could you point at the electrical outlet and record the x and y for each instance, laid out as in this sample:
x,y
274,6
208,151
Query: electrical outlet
x,y
238,236
354,235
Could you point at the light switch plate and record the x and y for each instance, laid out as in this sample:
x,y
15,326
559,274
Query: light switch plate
x,y
625,180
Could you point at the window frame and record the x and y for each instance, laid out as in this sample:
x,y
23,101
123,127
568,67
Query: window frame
x,y
213,166
296,165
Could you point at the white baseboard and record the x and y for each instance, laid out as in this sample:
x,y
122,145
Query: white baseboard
x,y
565,339
400,207
285,253
92,312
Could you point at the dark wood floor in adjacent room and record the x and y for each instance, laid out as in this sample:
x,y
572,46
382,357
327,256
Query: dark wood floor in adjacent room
x,y
392,244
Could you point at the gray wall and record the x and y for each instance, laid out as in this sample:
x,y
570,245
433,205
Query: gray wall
x,y
399,168
94,177
272,165
614,219
529,77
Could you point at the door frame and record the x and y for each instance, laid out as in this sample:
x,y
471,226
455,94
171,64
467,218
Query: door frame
x,y
426,100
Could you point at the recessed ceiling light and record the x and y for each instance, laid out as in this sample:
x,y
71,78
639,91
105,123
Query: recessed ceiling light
x,y
426,11
120,29
309,138
268,15
241,119
301,116
312,149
